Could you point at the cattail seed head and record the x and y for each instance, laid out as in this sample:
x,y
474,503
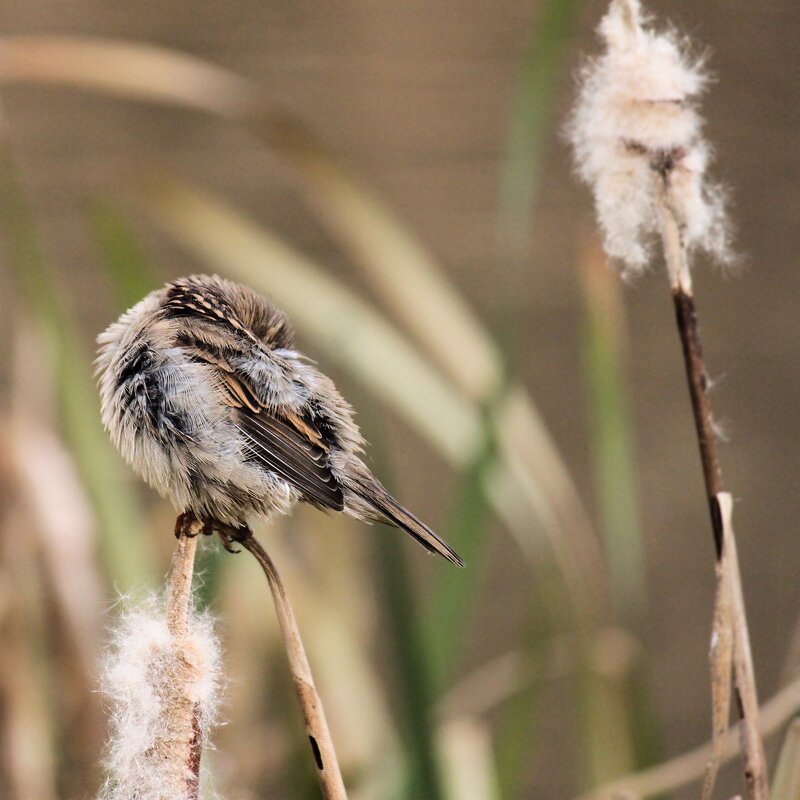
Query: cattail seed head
x,y
638,140
164,693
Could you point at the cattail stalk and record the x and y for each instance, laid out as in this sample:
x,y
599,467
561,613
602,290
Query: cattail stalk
x,y
744,674
719,501
162,677
319,736
180,744
696,375
639,143
680,771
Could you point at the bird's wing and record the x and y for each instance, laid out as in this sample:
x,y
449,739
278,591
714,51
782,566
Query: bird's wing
x,y
278,446
280,441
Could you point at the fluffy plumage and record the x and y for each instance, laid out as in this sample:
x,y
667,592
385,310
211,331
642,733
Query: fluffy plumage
x,y
205,397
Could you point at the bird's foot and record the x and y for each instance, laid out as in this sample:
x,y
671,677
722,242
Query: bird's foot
x,y
190,526
229,534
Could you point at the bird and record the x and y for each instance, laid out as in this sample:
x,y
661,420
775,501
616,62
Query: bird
x,y
203,392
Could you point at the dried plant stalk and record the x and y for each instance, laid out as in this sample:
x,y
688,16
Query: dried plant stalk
x,y
180,744
696,375
752,744
721,656
720,503
319,736
671,775
163,676
639,144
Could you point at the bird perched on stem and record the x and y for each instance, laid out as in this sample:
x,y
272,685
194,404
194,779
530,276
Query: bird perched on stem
x,y
205,396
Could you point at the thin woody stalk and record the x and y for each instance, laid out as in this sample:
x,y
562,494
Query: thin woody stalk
x,y
696,375
718,500
162,677
319,736
680,771
638,139
182,743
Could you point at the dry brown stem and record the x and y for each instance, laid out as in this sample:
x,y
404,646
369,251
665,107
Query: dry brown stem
x,y
684,769
752,746
319,736
721,656
180,745
720,507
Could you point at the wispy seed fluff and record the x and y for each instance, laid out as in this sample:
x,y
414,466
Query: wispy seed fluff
x,y
638,140
161,689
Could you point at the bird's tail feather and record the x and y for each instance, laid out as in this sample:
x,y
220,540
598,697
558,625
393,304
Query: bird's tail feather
x,y
401,517
367,498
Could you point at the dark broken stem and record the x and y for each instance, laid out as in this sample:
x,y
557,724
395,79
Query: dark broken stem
x,y
328,771
697,377
686,318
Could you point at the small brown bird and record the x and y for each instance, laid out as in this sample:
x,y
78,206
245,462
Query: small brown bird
x,y
205,396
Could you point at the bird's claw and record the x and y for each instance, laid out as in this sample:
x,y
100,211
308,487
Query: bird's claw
x,y
189,525
228,535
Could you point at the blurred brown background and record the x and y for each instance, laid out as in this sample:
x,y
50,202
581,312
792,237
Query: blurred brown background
x,y
416,97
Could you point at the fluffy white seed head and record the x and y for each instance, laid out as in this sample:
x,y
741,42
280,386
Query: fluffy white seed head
x,y
638,140
153,682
